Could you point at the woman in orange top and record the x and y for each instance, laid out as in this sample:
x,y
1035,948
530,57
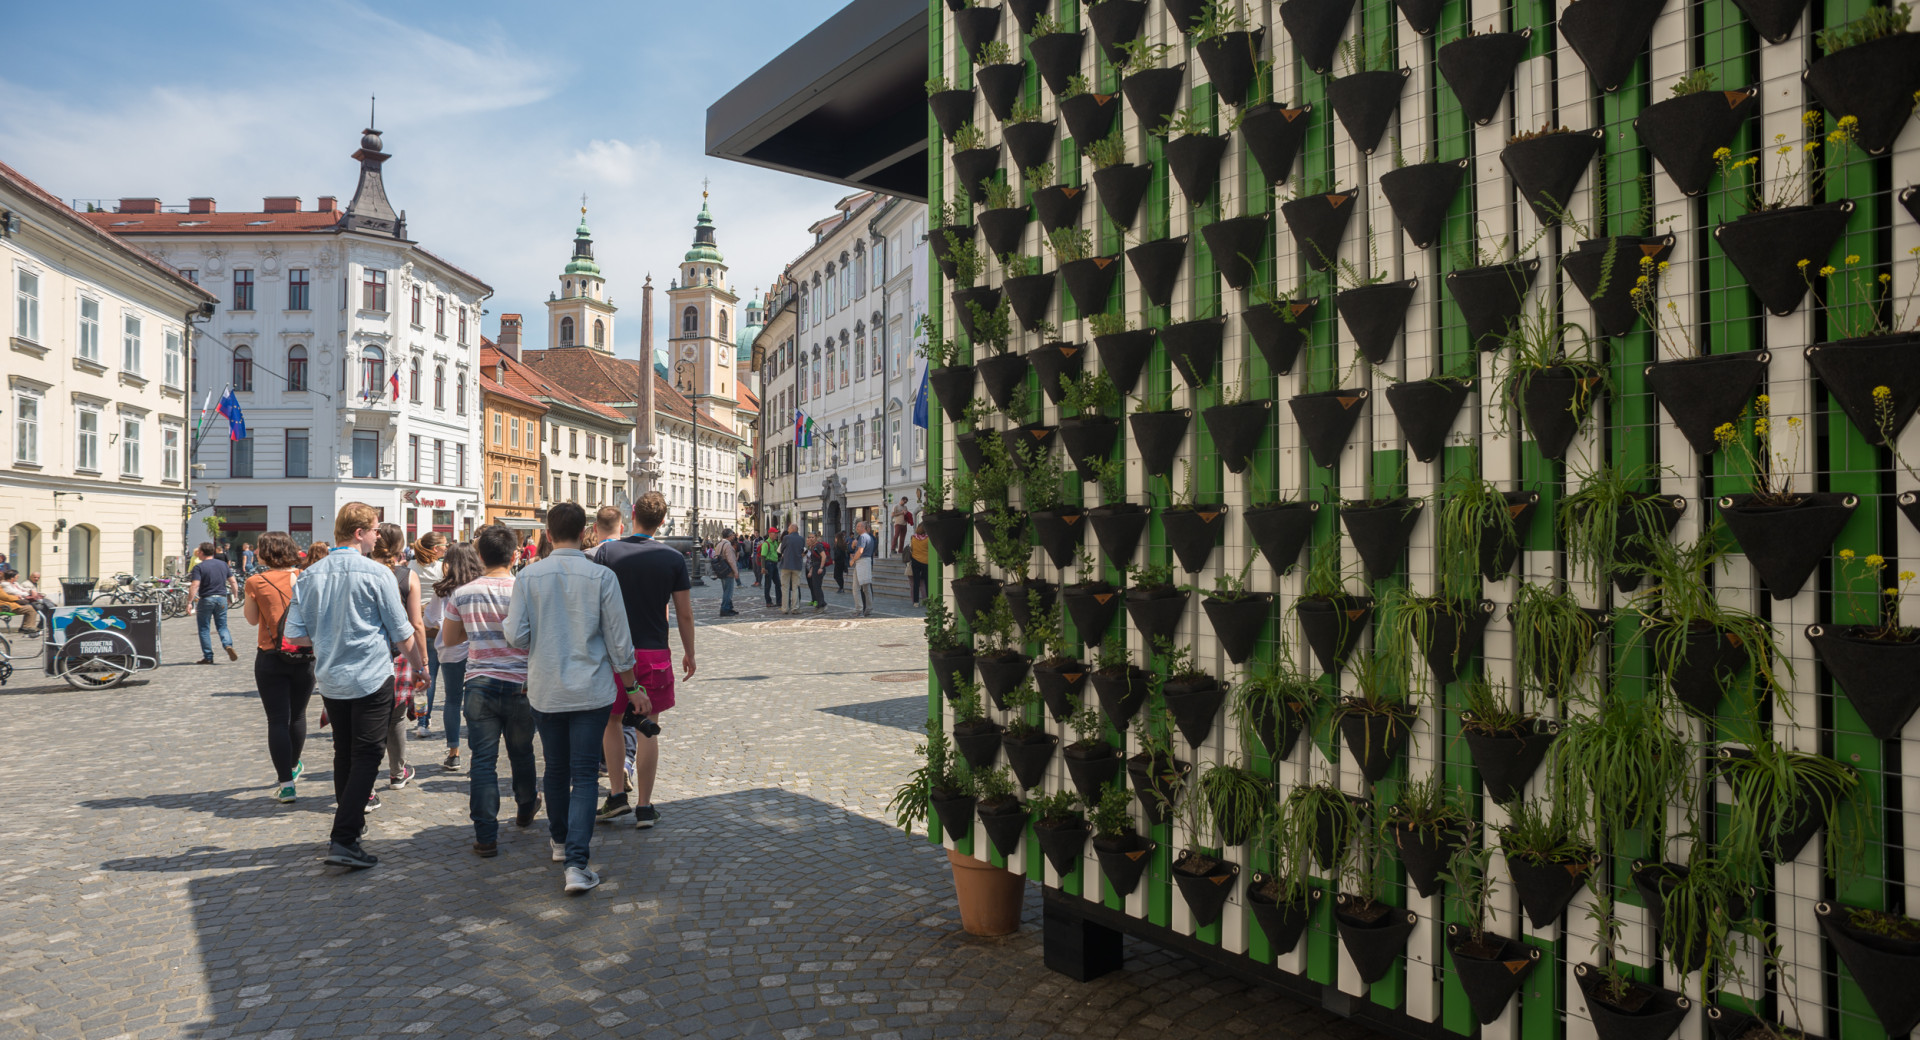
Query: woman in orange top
x,y
282,673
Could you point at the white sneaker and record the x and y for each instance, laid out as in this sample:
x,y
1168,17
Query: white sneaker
x,y
580,879
559,852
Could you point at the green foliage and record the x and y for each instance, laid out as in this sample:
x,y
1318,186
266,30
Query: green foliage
x,y
933,491
1076,86
1676,602
1000,194
965,257
1232,587
1429,806
1150,575
992,327
1014,265
994,52
1356,56
967,706
968,137
1185,122
1697,925
1112,474
1091,394
1470,508
935,773
1219,18
1107,324
996,624
1046,25
1112,654
1538,832
1041,176
1056,808
940,631
994,785
1087,724
1551,638
1141,55
1775,790
1695,81
1470,884
1326,578
1539,341
938,85
1070,244
1589,519
1620,769
1024,112
1234,801
1045,627
1040,478
1877,24
1113,815
1108,151
1276,691
1487,708
1295,833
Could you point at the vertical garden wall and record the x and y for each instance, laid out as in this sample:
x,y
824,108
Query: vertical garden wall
x,y
1454,456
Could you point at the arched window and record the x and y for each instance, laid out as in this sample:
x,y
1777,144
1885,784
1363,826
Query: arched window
x,y
859,270
296,367
599,333
846,283
816,371
413,380
845,354
860,351
723,324
893,435
460,393
566,332
373,373
690,321
440,386
243,368
832,352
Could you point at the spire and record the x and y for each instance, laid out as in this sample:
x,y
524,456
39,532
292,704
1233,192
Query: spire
x,y
370,210
705,249
582,262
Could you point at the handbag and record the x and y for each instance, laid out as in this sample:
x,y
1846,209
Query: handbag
x,y
287,649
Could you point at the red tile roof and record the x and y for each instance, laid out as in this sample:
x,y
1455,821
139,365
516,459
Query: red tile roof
x,y
19,182
490,358
525,379
601,376
216,223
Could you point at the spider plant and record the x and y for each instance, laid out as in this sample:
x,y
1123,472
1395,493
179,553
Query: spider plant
x,y
1232,803
1777,791
1589,519
1429,807
1552,638
1541,834
1470,509
1539,341
1276,692
1470,886
1621,768
1678,604
1316,822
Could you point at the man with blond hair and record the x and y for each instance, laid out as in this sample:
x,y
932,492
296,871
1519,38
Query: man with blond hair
x,y
651,576
606,527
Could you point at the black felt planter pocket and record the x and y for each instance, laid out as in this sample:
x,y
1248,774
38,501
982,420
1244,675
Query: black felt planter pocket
x,y
1317,223
1236,246
1154,94
1274,134
999,374
1120,189
1058,206
1192,532
1236,430
1156,610
1156,783
1123,355
947,530
1027,12
1123,859
1609,35
1280,530
1768,246
1375,741
1283,923
1852,368
1655,882
953,388
1365,103
1091,769
1194,348
1424,852
970,451
1785,543
1031,438
1120,693
1116,22
965,303
1702,393
1422,15
974,596
1089,117
956,813
1055,362
1772,19
1420,196
1089,440
999,675
1480,70
1334,626
1017,593
1658,1013
952,109
1230,59
1373,944
979,743
1090,281
1875,674
1506,761
1186,14
1491,298
1278,728
1092,606
1000,86
1195,163
1454,634
1497,551
1205,886
1001,229
1783,844
1626,530
1279,330
1315,27
1157,265
1426,410
1326,421
1874,82
975,26
1374,315
1910,201
1004,825
946,664
1060,531
1029,756
1159,435
1490,978
1555,402
1884,967
1725,1023
1030,144
1605,269
1195,703
1380,533
1684,132
974,167
1545,170
1064,845
985,522
1029,296
1545,889
1057,56
1118,527
1239,622
944,238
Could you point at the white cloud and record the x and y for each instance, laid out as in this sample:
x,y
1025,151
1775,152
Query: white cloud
x,y
615,162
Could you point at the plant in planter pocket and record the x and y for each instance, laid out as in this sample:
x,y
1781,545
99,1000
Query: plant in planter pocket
x,y
1056,51
1232,803
1120,685
1124,852
1489,283
949,654
1377,722
1698,909
1684,131
1781,798
1155,604
1002,814
1701,392
1551,377
1480,528
1238,614
1784,532
1117,522
1157,776
1331,617
1507,743
1059,674
951,108
1158,428
1366,98
1237,422
1373,931
1001,663
1552,639
1000,75
1873,664
1091,600
1881,950
1029,136
1228,49
1621,1008
974,160
952,381
1209,815
1120,185
1279,322
936,783
1089,423
1152,91
1029,747
977,737
1547,859
1547,164
1870,74
1605,525
1091,761
1490,967
1089,115
1192,696
1620,768
1868,364
1701,644
1427,408
1428,826
1277,704
1061,829
1194,150
1782,224
1282,901
1373,308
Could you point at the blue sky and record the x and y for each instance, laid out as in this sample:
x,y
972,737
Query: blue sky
x,y
498,117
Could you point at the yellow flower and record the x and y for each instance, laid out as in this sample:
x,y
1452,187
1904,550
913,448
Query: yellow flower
x,y
1906,575
1885,278
1761,427
1783,149
1720,154
1810,146
1893,592
1646,261
1849,122
1793,422
1763,399
1803,264
1826,271
1725,433
1852,258
1846,554
1811,117
1663,265
1882,393
1876,560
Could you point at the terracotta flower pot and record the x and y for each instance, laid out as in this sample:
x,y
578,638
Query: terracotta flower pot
x,y
989,897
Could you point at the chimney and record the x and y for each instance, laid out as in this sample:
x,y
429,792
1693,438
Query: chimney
x,y
329,204
510,336
200,204
282,204
139,205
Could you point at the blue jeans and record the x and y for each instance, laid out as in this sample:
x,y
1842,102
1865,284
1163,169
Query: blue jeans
x,y
726,593
433,671
495,709
455,673
212,611
570,741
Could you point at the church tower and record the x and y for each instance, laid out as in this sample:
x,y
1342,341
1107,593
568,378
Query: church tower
x,y
580,314
701,322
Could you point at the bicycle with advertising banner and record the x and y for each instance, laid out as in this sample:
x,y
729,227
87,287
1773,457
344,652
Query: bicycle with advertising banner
x,y
97,648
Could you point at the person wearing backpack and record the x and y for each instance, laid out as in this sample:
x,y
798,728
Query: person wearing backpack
x,y
282,672
726,567
770,567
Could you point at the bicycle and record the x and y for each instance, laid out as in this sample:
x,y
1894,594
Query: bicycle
x,y
99,659
116,591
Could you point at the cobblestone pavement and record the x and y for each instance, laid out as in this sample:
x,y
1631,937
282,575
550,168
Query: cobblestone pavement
x,y
149,887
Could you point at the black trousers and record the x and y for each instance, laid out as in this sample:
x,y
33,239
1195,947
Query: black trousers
x,y
770,584
286,687
816,583
359,746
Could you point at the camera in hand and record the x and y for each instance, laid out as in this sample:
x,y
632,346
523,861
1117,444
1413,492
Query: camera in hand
x,y
642,723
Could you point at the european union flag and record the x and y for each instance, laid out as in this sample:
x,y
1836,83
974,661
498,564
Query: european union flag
x,y
236,423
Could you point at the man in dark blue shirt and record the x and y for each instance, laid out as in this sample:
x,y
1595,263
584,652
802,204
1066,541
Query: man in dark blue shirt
x,y
209,590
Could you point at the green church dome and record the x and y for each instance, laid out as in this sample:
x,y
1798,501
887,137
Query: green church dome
x,y
704,250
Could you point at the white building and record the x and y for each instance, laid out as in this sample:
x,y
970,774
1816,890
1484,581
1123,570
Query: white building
x,y
96,407
353,353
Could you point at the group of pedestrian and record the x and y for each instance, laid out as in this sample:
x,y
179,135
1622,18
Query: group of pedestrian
x,y
570,643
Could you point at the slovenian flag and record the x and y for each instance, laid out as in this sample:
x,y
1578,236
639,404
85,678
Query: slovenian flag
x,y
394,381
802,430
236,423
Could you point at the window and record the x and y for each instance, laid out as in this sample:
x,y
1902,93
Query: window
x,y
513,428
879,343
413,456
816,371
566,332
723,324
129,447
439,315
599,333
242,289
496,496
879,263
243,368
573,489
497,424
413,380
860,353
373,373
463,326
300,525
169,453
26,311
26,428
556,488
832,351
591,441
413,308
440,387
573,443
460,474
919,444
297,289
846,284
830,294
859,272
240,457
440,473
176,358
690,321
297,453
893,436
844,352
191,275
460,393
89,345
366,452
373,290
296,367
619,453
859,440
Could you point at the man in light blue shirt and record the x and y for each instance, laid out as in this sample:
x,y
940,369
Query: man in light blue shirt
x,y
348,609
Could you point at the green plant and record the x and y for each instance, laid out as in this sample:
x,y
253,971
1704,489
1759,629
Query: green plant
x,y
1113,814
1878,23
1276,691
1112,655
1589,519
933,491
971,567
967,706
1326,578
941,634
1021,701
1297,829
1193,121
1076,86
1024,112
1178,659
1046,25
1471,510
1694,81
1757,440
1470,886
1429,807
1045,627
1057,809
1040,176
1356,56
1141,55
1217,19
996,624
1092,394
911,800
1088,726
1799,175
1382,683
1776,790
999,194
1698,914
1486,707
1859,303
1040,478
1853,568
1112,474
1233,802
995,786
1540,833
938,85
1150,575
1107,324
1539,341
968,137
1677,604
1070,244
1551,638
993,52
1108,151
1545,130
992,327
1232,587
1015,265
1152,398
1621,768
965,258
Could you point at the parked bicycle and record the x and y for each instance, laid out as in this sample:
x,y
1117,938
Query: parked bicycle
x,y
92,648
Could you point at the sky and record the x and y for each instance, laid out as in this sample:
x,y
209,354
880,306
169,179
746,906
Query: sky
x,y
498,116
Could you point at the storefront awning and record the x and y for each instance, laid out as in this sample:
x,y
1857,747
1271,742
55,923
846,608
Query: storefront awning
x,y
847,103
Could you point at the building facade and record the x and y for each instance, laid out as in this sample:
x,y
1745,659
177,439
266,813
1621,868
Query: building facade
x,y
510,425
98,418
352,351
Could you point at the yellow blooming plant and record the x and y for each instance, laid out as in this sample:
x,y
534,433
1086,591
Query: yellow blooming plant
x,y
1866,570
1663,319
1798,171
1771,454
1861,301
